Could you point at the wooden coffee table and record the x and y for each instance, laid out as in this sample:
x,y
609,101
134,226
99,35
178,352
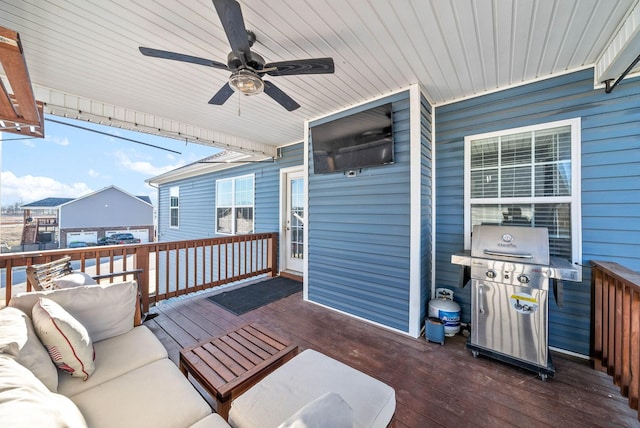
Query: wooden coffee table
x,y
228,365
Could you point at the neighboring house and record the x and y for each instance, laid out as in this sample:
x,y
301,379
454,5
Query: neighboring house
x,y
554,153
41,222
88,218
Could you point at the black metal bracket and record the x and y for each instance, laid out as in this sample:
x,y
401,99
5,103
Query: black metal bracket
x,y
609,87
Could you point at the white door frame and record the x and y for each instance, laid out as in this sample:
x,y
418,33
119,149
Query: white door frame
x,y
284,196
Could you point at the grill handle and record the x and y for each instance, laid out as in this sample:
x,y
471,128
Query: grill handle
x,y
514,255
481,298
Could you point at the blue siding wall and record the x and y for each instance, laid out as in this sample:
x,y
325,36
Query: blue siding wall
x,y
426,205
610,180
198,198
359,230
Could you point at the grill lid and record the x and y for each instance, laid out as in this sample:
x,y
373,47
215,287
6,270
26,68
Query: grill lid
x,y
511,243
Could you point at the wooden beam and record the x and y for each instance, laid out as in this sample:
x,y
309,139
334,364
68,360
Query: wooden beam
x,y
7,110
20,109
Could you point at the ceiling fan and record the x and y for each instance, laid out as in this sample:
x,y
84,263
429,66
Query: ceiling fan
x,y
247,67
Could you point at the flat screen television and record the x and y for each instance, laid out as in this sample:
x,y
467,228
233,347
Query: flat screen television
x,y
357,141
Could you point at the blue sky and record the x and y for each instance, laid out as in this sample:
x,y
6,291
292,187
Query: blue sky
x,y
71,162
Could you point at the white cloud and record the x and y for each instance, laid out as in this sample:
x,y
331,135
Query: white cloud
x,y
93,173
29,188
61,141
144,167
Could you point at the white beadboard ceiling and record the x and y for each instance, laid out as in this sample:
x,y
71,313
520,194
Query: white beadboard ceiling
x,y
84,62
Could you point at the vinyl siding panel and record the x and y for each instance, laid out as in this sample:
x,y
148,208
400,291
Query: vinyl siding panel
x,y
107,208
359,230
610,180
426,205
198,199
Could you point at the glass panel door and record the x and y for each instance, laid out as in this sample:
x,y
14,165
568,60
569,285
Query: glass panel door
x,y
294,227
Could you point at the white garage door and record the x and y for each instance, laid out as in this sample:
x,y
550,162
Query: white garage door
x,y
88,237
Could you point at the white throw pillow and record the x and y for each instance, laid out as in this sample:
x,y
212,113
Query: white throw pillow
x,y
66,339
19,339
26,402
104,310
328,410
73,280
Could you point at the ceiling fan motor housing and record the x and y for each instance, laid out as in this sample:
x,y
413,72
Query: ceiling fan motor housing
x,y
256,63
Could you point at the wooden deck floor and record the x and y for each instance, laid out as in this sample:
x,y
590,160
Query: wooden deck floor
x,y
435,385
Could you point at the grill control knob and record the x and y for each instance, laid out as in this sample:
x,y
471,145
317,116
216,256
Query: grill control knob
x,y
524,279
491,274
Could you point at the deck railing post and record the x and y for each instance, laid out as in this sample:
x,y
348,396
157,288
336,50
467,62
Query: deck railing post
x,y
598,321
142,262
272,255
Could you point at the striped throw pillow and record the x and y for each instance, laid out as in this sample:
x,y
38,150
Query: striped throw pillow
x,y
65,338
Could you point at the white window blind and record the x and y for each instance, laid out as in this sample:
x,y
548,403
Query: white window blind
x,y
527,177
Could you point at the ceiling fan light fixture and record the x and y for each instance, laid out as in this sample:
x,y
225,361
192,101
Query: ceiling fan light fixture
x,y
246,82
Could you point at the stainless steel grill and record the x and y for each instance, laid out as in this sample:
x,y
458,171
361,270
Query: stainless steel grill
x,y
510,270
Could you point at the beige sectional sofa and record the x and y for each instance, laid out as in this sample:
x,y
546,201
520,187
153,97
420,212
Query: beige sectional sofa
x,y
132,382
119,375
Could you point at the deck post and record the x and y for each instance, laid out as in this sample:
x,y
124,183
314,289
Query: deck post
x,y
142,262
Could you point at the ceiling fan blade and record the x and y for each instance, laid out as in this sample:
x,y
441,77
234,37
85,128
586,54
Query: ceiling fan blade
x,y
301,66
181,57
280,97
231,18
222,95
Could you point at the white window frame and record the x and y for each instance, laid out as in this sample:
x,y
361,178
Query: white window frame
x,y
174,192
233,205
574,199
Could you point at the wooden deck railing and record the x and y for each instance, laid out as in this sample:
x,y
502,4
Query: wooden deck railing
x,y
169,269
616,324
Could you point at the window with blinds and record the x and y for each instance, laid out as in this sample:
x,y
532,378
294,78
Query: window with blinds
x,y
174,206
234,205
526,177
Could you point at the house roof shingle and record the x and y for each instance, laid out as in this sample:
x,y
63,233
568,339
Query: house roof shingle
x,y
48,203
56,202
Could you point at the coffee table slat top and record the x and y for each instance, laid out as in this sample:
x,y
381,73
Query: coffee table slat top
x,y
224,363
209,361
268,344
245,348
230,357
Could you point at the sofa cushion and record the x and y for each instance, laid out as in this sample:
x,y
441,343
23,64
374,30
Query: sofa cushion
x,y
19,339
73,280
66,339
329,410
303,379
115,357
104,310
156,395
26,402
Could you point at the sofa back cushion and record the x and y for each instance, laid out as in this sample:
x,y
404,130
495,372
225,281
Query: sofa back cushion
x,y
104,310
74,279
18,339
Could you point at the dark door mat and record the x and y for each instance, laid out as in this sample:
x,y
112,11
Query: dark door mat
x,y
251,297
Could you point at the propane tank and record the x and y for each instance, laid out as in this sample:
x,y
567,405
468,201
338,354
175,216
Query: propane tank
x,y
448,311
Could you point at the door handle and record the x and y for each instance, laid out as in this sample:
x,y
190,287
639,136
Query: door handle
x,y
481,299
